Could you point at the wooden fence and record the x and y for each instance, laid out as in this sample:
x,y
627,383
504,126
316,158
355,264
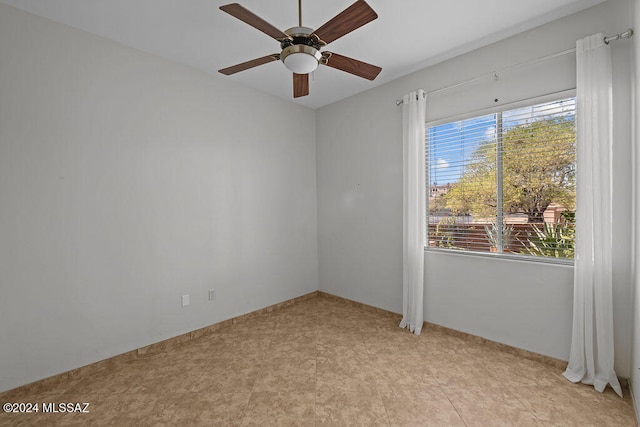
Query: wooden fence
x,y
475,236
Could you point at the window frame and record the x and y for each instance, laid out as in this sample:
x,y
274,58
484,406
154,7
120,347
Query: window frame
x,y
555,96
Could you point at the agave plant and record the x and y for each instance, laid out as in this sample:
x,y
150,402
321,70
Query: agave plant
x,y
553,239
492,234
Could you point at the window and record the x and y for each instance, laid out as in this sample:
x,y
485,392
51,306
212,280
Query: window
x,y
504,182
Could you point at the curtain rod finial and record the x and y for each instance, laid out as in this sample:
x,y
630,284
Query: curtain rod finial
x,y
625,35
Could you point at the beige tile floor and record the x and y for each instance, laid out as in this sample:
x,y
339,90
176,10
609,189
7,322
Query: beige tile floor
x,y
325,362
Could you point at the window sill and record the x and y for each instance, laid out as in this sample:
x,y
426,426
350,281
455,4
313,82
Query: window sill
x,y
508,257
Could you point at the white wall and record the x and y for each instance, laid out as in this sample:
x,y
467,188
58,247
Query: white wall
x,y
126,181
635,335
359,158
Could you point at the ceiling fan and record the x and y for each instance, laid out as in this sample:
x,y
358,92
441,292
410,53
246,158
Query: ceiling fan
x,y
301,45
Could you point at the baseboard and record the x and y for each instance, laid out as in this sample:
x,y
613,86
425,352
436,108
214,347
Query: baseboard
x,y
636,410
164,345
363,306
526,354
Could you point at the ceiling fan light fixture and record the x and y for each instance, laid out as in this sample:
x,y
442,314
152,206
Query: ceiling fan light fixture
x,y
301,59
301,45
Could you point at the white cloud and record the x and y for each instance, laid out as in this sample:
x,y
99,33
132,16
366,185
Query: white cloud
x,y
490,133
442,164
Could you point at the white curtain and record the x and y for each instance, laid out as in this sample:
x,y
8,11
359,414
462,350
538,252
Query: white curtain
x,y
591,358
413,134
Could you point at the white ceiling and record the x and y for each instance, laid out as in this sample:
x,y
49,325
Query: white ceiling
x,y
407,36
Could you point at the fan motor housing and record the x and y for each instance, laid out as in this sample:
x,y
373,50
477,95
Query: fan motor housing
x,y
301,41
301,36
300,48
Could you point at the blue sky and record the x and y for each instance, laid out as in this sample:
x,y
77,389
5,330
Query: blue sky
x,y
452,144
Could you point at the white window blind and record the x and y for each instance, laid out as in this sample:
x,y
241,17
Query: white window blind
x,y
504,182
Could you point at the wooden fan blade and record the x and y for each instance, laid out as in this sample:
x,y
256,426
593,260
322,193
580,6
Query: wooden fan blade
x,y
300,85
353,17
245,15
353,66
249,64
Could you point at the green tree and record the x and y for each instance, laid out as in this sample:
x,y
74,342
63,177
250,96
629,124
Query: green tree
x,y
538,169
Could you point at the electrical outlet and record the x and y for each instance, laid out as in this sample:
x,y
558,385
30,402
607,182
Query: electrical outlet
x,y
186,300
212,294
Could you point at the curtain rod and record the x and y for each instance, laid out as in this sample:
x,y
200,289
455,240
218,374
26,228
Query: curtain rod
x,y
625,35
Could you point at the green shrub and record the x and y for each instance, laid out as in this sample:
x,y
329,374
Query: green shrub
x,y
554,239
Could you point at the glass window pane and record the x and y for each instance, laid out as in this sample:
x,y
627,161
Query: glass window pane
x,y
535,147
